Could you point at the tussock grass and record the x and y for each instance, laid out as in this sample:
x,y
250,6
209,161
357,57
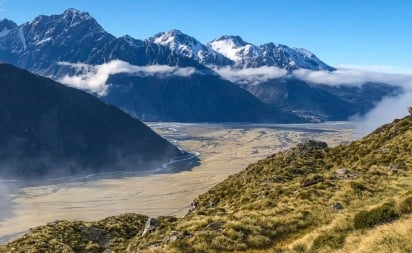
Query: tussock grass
x,y
282,204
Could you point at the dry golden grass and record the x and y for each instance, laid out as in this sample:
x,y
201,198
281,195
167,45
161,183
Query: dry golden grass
x,y
283,204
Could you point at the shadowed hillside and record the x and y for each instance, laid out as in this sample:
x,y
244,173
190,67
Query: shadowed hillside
x,y
47,129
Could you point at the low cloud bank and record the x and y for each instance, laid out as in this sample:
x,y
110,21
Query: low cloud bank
x,y
353,77
342,76
385,111
251,76
93,78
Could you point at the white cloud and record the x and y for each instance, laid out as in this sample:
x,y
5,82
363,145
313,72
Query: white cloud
x,y
250,75
354,77
385,112
93,78
342,76
377,68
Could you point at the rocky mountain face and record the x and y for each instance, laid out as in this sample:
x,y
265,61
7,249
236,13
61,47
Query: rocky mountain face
x,y
247,55
198,98
47,43
321,102
189,47
310,198
47,129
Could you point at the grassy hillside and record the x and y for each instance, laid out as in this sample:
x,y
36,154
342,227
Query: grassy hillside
x,y
311,198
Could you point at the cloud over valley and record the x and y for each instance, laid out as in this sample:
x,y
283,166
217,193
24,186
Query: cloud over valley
x,y
93,78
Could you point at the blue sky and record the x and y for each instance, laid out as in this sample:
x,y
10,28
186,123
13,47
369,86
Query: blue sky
x,y
363,32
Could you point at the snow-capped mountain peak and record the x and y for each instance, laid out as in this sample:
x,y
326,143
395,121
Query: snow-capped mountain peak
x,y
231,40
170,38
6,26
64,34
74,13
132,41
236,49
289,58
188,46
304,52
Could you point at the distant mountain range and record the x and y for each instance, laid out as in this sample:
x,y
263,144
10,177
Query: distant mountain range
x,y
43,44
50,130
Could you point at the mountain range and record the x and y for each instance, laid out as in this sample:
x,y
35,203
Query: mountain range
x,y
53,45
50,130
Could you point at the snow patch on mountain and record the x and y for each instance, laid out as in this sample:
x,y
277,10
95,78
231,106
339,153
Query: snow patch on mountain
x,y
181,43
4,32
45,40
76,15
22,38
190,47
132,41
234,48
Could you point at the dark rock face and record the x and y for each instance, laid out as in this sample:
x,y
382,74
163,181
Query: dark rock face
x,y
291,58
324,102
49,129
150,225
200,98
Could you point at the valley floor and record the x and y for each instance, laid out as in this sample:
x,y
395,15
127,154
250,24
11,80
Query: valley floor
x,y
223,149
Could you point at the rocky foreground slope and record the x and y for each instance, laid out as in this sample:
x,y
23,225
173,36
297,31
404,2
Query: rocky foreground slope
x,y
311,198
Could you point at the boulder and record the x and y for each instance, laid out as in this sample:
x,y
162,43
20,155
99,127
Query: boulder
x,y
214,226
336,206
344,173
193,206
173,236
151,225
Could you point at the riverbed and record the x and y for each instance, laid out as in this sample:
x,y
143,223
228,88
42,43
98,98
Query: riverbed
x,y
222,150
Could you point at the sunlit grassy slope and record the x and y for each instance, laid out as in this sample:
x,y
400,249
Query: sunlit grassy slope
x,y
311,198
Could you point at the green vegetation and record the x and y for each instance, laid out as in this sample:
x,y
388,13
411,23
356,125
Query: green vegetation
x,y
379,215
405,206
284,203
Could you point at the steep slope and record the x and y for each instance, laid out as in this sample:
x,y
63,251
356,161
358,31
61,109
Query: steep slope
x,y
48,129
188,46
291,58
243,54
318,101
199,98
310,198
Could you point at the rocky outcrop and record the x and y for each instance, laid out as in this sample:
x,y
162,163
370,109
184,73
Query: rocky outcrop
x,y
150,225
344,173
